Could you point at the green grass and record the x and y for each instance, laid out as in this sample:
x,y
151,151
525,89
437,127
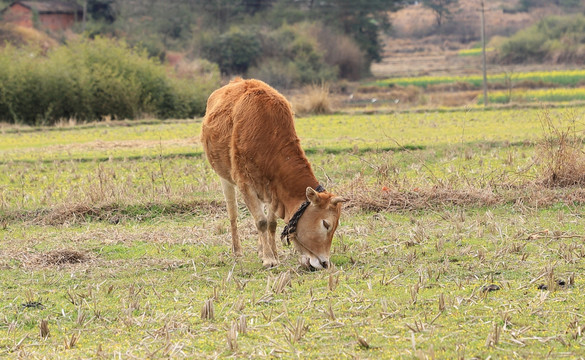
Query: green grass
x,y
538,95
141,214
322,133
567,78
473,51
52,166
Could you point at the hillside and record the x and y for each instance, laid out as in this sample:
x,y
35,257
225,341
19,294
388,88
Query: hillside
x,y
14,34
415,45
418,47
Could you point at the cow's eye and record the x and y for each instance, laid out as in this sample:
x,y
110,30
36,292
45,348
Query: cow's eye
x,y
327,224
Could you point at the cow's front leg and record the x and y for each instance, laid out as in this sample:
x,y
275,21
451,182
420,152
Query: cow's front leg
x,y
229,192
272,231
269,258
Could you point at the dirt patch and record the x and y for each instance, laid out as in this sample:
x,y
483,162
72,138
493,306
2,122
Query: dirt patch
x,y
376,95
393,200
459,98
113,213
451,87
100,145
364,198
60,257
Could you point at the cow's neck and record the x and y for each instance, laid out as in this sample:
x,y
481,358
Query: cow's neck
x,y
291,193
293,204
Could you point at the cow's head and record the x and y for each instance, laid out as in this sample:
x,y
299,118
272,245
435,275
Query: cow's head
x,y
315,228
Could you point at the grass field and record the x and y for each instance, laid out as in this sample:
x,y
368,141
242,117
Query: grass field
x,y
538,95
567,78
473,51
114,243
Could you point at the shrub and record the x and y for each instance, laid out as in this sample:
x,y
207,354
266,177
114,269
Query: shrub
x,y
526,45
90,80
278,73
340,51
527,5
561,152
308,60
555,38
235,51
292,57
16,35
315,100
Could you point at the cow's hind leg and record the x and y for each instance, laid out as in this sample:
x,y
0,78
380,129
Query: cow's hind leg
x,y
269,258
229,192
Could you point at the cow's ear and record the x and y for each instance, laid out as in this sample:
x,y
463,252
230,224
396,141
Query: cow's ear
x,y
313,196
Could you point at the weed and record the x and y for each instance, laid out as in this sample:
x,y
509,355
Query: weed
x,y
207,311
295,332
71,342
232,337
44,328
315,100
562,151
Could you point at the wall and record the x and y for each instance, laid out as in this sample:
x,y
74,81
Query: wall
x,y
19,15
57,21
23,16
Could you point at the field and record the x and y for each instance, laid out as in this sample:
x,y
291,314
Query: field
x,y
538,95
456,242
559,78
434,90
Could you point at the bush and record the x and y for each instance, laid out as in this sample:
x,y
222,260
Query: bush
x,y
90,80
314,100
15,34
525,46
278,73
555,39
561,151
340,51
234,51
292,57
527,5
308,60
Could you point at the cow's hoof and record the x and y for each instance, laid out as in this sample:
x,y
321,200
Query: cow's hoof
x,y
269,263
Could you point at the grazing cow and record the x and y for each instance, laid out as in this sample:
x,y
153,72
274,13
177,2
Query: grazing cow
x,y
249,137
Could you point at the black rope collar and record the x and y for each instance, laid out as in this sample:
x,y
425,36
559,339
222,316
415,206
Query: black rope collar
x,y
291,227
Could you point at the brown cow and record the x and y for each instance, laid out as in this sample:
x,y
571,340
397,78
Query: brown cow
x,y
249,137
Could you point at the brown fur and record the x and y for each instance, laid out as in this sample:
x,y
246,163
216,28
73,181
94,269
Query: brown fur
x,y
249,137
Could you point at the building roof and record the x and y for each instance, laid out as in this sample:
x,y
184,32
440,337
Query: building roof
x,y
51,7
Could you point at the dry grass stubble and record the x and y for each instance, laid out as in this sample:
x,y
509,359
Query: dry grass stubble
x,y
562,151
364,197
315,99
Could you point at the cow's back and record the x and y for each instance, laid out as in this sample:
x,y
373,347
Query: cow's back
x,y
217,127
248,133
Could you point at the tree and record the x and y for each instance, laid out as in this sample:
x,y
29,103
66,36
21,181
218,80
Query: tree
x,y
234,51
102,10
441,8
222,13
363,20
526,5
253,6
